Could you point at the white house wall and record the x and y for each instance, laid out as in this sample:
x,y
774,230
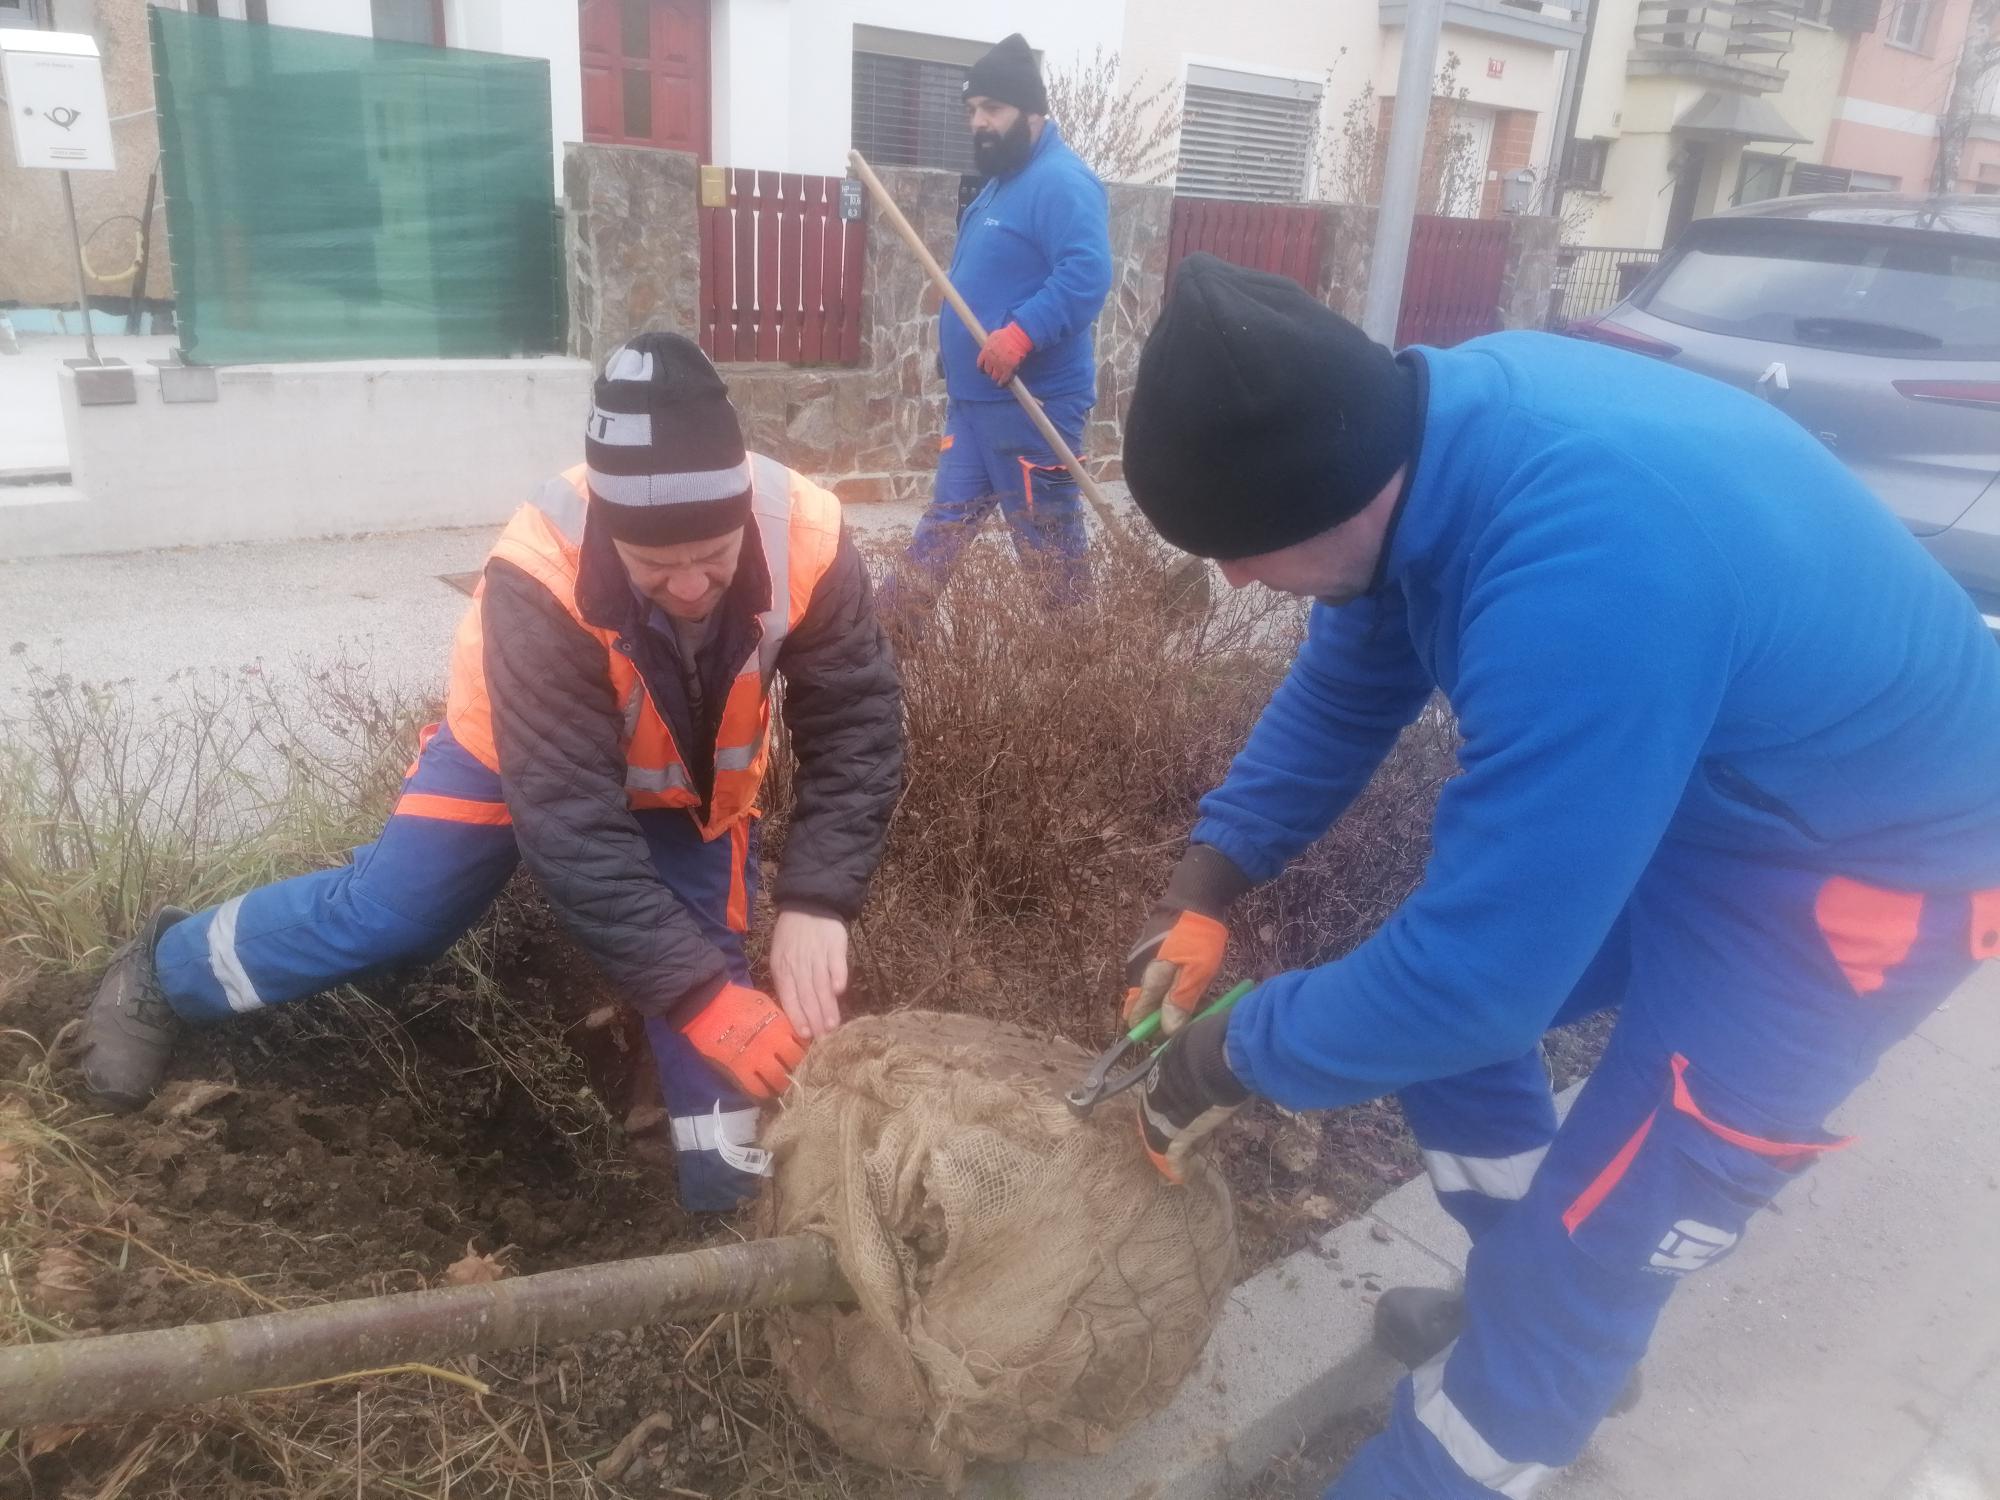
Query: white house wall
x,y
1601,101
783,70
1330,45
529,28
351,17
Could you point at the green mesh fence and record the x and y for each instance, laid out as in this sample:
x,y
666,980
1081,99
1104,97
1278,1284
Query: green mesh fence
x,y
334,197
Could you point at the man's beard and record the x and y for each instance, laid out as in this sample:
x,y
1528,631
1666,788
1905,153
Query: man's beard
x,y
998,155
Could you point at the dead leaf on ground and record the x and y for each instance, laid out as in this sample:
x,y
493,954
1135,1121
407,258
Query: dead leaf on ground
x,y
1297,1153
10,1169
183,1100
622,1457
474,1269
35,1441
62,1279
1318,1206
643,1118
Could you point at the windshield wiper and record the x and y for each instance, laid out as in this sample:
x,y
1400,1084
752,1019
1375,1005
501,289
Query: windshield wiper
x,y
1861,331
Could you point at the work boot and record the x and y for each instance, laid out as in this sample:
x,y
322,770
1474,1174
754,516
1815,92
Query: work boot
x,y
129,1030
1415,1324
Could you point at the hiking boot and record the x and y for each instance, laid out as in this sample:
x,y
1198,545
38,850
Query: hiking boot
x,y
1415,1324
129,1030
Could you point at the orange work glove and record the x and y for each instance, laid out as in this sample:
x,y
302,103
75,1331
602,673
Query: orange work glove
x,y
1180,948
1001,355
744,1033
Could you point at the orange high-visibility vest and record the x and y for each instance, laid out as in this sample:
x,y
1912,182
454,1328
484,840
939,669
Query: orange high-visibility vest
x,y
798,525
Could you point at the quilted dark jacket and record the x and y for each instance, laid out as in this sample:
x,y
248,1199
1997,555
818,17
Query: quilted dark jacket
x,y
558,730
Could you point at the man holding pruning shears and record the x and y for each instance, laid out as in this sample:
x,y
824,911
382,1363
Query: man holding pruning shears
x,y
1729,738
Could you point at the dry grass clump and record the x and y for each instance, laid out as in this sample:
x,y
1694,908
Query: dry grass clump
x,y
111,804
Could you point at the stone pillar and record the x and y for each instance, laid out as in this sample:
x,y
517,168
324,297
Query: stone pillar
x,y
902,418
632,244
1345,244
1528,282
1141,220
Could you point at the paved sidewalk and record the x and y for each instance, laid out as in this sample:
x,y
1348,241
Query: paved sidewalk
x,y
1851,1349
377,601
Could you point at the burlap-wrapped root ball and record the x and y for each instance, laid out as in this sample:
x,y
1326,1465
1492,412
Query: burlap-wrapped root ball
x,y
1027,1285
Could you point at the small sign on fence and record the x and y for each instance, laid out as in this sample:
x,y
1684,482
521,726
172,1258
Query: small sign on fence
x,y
850,198
714,187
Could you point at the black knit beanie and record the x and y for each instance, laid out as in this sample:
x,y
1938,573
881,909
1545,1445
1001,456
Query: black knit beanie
x,y
1260,416
1010,74
663,450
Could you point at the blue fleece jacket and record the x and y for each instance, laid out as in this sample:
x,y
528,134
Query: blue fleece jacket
x,y
1033,249
1663,613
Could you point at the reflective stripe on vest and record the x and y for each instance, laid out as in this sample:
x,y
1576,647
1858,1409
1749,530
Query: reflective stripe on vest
x,y
799,527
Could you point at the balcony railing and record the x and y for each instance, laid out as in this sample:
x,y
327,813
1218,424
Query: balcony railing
x,y
1740,43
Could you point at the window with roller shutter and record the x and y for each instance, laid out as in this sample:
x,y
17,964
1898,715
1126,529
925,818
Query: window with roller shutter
x,y
1246,136
1807,178
909,98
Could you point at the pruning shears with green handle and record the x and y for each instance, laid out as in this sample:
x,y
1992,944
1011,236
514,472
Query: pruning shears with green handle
x,y
1101,1082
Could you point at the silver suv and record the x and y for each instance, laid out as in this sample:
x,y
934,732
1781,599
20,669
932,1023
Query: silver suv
x,y
1873,319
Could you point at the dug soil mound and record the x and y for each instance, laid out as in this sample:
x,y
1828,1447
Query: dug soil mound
x,y
440,1130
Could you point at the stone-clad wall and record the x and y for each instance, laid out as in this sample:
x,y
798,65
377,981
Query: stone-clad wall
x,y
871,432
1140,222
632,244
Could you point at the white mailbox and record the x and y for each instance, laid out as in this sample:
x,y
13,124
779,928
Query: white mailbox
x,y
54,82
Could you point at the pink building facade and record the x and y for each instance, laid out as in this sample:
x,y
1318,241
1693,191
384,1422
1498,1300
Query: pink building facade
x,y
1894,96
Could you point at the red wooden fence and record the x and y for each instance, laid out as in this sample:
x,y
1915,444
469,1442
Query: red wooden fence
x,y
1280,237
1451,285
781,272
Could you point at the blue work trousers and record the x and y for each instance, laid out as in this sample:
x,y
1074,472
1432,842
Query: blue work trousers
x,y
1752,1000
993,455
439,862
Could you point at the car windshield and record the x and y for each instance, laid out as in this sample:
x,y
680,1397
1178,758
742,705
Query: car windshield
x,y
1898,294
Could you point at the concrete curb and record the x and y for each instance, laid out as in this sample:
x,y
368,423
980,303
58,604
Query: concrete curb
x,y
1293,1351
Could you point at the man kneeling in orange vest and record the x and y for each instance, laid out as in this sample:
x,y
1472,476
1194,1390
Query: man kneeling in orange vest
x,y
608,722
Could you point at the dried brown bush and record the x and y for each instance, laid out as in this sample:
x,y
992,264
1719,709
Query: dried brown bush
x,y
1054,762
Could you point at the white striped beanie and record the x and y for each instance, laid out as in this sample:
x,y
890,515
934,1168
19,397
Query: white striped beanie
x,y
663,451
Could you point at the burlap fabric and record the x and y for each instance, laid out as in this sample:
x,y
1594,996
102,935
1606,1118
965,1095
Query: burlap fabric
x,y
1027,1285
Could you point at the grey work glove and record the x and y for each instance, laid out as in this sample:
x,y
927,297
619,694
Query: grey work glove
x,y
1180,948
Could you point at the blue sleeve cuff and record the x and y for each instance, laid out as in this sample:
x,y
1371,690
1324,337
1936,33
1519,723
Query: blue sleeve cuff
x,y
1232,1045
1243,852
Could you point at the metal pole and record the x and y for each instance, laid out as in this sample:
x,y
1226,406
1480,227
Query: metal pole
x,y
132,313
82,292
1403,163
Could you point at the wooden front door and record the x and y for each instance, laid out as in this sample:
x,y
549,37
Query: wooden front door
x,y
645,73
